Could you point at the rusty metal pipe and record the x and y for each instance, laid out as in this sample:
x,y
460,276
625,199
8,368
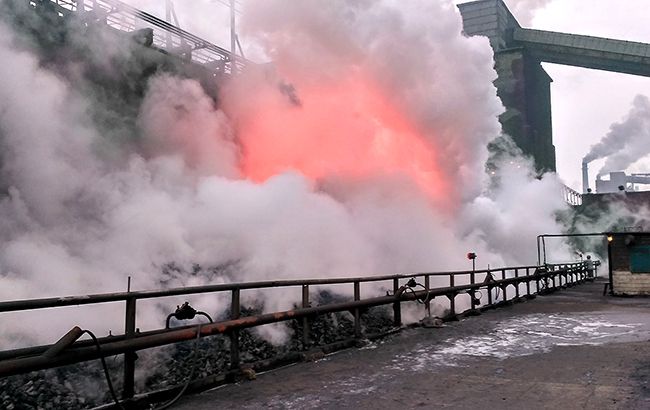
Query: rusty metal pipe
x,y
38,350
66,341
76,355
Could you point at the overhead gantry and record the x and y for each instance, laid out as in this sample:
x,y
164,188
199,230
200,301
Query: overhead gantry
x,y
524,86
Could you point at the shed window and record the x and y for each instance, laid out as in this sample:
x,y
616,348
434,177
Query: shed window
x,y
640,259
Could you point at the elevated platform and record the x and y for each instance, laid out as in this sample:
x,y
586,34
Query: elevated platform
x,y
573,349
585,51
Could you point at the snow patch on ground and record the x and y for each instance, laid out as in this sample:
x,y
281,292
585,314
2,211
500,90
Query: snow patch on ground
x,y
524,335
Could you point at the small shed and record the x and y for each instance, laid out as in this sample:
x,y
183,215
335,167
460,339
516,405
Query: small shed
x,y
629,263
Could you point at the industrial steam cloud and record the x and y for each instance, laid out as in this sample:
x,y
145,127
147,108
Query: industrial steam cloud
x,y
374,163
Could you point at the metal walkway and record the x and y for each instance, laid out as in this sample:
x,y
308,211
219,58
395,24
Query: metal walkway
x,y
585,51
491,18
571,350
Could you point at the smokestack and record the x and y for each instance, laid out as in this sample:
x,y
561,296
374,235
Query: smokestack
x,y
585,177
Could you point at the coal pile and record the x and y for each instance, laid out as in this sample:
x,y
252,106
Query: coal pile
x,y
72,387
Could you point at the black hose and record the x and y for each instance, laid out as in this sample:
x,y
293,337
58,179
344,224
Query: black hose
x,y
189,377
419,300
174,315
496,297
111,389
108,376
477,299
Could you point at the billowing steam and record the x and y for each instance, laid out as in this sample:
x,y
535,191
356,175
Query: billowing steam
x,y
524,10
373,76
361,152
627,141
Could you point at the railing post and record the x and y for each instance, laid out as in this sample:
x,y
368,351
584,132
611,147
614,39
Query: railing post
x,y
553,277
397,307
517,284
357,315
305,320
235,312
128,390
472,281
427,287
452,296
550,280
505,285
488,277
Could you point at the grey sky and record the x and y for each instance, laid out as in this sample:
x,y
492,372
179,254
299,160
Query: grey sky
x,y
585,102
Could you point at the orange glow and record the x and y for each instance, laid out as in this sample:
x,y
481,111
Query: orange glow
x,y
346,129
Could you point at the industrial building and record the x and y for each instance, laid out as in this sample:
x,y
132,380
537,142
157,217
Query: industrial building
x,y
629,263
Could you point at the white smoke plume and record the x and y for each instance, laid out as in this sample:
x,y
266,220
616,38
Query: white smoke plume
x,y
627,141
378,169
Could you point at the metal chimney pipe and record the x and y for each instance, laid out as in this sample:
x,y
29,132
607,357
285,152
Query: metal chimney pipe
x,y
585,177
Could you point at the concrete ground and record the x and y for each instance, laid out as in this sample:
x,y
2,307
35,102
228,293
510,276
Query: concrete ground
x,y
574,349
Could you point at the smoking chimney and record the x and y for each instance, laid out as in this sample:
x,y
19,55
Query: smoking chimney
x,y
585,177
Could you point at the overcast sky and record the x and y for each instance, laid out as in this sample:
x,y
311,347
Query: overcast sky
x,y
585,102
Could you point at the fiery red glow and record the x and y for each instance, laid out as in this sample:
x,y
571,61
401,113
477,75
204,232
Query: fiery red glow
x,y
346,129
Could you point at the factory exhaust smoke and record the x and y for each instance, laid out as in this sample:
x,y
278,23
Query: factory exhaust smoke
x,y
627,140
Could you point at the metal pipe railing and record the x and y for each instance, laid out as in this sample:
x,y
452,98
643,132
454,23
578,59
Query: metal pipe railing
x,y
30,304
30,359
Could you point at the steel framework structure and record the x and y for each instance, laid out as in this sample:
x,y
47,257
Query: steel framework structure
x,y
166,37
